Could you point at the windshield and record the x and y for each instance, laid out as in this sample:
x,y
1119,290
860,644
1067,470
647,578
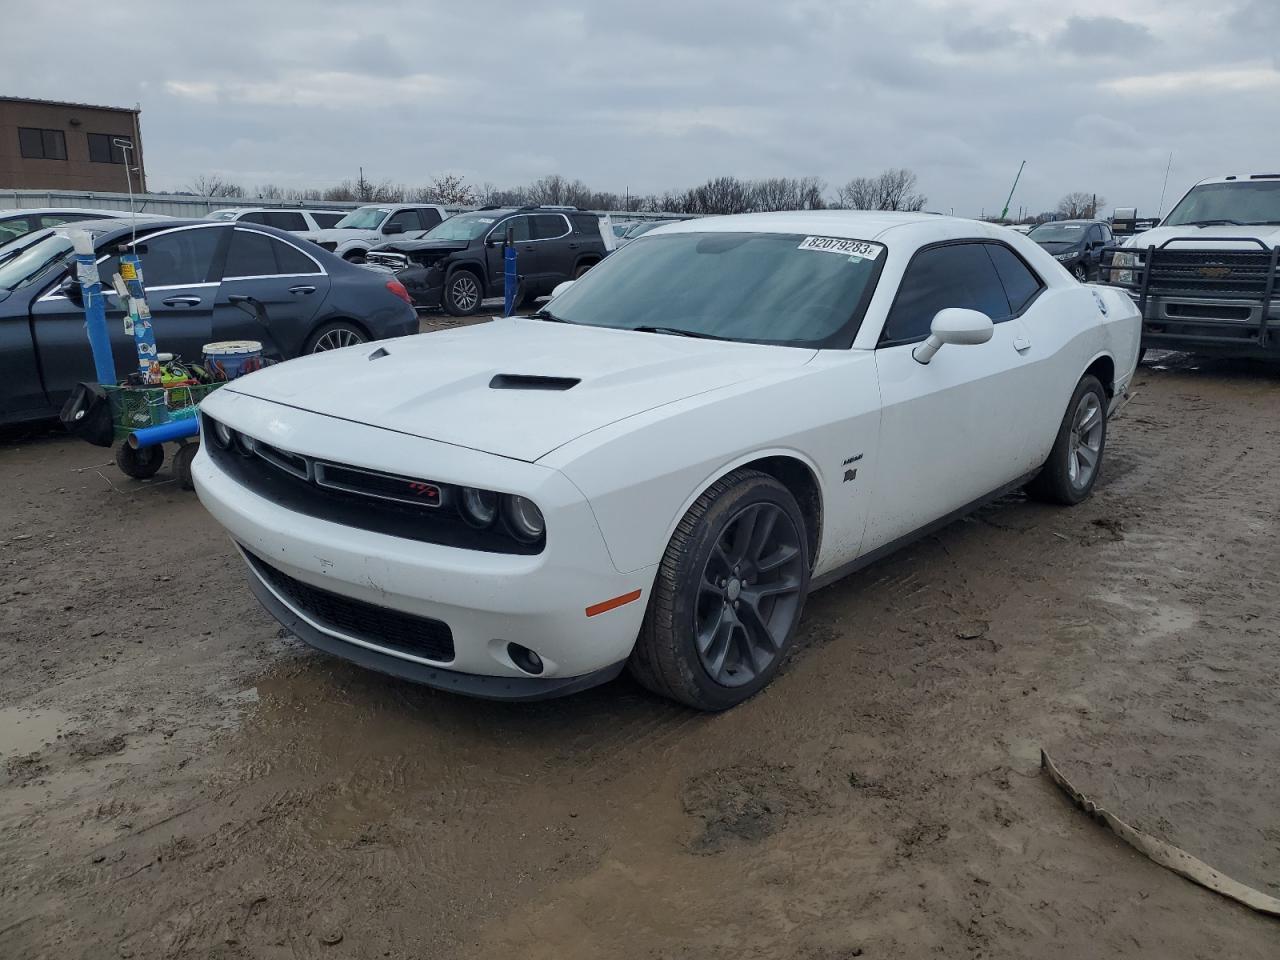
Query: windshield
x,y
759,287
1058,232
366,218
465,226
1239,201
34,262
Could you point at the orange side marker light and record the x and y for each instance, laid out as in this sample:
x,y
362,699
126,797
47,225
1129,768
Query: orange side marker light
x,y
605,606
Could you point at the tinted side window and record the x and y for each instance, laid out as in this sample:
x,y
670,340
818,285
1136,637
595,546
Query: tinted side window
x,y
405,218
547,226
326,220
429,216
584,224
173,259
519,227
1020,282
256,216
286,220
957,275
253,254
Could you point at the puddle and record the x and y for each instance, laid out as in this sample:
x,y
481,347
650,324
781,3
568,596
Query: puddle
x,y
25,731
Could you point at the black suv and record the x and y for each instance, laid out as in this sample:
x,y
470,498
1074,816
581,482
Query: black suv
x,y
459,262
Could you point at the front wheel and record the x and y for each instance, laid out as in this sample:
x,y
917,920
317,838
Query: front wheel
x,y
727,596
354,256
1080,272
1069,474
462,293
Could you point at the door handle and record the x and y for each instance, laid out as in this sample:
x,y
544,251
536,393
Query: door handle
x,y
302,288
1021,344
573,246
181,301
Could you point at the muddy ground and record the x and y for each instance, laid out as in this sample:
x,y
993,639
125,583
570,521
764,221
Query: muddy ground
x,y
178,779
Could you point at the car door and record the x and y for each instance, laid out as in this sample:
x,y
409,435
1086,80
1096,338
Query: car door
x,y
952,430
526,251
180,269
290,284
555,251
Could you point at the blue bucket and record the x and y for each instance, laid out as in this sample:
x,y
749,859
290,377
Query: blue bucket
x,y
228,359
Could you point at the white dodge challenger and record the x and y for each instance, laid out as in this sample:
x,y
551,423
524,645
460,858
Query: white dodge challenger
x,y
654,470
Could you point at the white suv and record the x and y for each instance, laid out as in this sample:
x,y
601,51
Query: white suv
x,y
295,221
360,229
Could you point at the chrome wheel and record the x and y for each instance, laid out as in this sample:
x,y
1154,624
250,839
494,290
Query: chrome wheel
x,y
464,291
337,338
1084,449
1080,273
750,594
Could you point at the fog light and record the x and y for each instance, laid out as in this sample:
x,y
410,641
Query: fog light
x,y
524,658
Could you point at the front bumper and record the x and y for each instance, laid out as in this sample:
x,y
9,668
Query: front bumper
x,y
425,285
487,600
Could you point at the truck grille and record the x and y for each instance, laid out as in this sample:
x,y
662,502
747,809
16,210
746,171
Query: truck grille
x,y
419,636
394,261
1216,274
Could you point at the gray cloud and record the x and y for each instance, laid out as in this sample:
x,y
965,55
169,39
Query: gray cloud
x,y
1105,36
668,93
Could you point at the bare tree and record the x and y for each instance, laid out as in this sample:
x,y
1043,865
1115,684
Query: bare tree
x,y
860,193
448,189
894,189
363,190
1080,205
212,185
269,191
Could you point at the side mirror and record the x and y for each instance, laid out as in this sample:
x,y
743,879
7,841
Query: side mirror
x,y
70,288
391,228
561,288
493,240
954,325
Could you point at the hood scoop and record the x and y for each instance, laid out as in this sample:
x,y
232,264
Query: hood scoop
x,y
522,381
379,354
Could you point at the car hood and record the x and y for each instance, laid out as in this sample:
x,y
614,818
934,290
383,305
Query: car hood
x,y
423,246
442,386
1225,236
334,234
1058,246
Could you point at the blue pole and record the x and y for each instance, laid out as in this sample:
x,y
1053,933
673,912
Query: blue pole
x,y
510,279
173,430
95,311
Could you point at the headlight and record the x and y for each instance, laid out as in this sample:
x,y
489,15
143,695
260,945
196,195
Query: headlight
x,y
479,507
1064,256
222,434
524,518
1124,259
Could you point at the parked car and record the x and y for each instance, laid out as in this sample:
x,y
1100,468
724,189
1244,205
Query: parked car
x,y
460,263
353,235
314,301
18,223
1076,244
1207,280
658,467
295,221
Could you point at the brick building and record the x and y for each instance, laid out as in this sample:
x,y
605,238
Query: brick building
x,y
45,145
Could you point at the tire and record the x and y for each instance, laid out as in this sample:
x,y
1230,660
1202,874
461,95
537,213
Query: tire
x,y
581,269
139,464
182,464
463,292
354,256
524,297
1063,478
1080,272
705,642
335,336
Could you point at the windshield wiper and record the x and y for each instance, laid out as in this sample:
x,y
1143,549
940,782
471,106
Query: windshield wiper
x,y
677,332
1212,223
547,315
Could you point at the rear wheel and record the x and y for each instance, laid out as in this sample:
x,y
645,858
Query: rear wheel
x,y
728,595
462,293
139,463
582,268
1069,474
334,336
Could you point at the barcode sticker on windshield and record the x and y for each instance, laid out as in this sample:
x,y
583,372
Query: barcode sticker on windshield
x,y
846,248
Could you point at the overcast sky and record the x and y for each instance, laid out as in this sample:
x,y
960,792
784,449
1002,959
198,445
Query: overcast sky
x,y
658,94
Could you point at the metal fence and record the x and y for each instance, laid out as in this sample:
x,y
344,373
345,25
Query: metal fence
x,y
187,205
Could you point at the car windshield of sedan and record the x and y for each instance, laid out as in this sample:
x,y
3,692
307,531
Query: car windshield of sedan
x,y
1236,203
366,218
34,262
465,226
1057,232
778,288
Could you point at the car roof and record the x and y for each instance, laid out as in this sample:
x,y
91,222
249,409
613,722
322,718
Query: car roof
x,y
1056,223
848,224
1246,177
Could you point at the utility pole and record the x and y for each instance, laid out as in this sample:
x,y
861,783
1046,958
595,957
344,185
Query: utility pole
x,y
1005,212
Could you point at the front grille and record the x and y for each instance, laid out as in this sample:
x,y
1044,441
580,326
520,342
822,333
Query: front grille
x,y
1214,274
395,261
405,632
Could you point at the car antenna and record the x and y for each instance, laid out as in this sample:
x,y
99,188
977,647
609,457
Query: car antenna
x,y
126,148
